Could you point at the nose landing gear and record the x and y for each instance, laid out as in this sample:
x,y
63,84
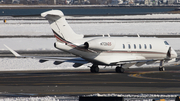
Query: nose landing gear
x,y
161,67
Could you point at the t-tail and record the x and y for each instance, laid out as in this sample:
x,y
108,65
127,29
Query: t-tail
x,y
62,31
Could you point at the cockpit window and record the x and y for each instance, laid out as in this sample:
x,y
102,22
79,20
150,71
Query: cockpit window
x,y
166,43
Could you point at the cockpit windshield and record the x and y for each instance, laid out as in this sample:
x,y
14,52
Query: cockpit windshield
x,y
166,43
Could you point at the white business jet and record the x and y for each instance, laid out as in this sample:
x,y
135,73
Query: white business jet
x,y
122,52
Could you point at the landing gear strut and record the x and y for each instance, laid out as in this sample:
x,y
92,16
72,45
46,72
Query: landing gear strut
x,y
94,69
161,67
119,69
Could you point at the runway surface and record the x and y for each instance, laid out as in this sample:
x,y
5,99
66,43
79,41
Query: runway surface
x,y
80,82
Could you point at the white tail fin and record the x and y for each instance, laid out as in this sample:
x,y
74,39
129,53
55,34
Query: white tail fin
x,y
62,31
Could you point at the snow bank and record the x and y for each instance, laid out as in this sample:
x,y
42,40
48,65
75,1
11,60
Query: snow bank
x,y
127,28
25,29
16,64
48,98
28,44
94,27
138,95
148,16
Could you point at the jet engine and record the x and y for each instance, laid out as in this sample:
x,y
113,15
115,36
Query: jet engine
x,y
102,44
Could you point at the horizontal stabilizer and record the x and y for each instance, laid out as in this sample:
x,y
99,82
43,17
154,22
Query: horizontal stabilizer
x,y
52,13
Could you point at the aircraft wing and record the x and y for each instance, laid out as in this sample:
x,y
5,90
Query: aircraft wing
x,y
57,60
127,64
128,61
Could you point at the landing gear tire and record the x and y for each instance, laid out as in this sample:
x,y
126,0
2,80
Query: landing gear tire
x,y
161,69
94,69
119,70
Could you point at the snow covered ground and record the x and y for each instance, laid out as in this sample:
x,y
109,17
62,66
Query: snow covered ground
x,y
47,98
127,97
41,27
87,28
16,26
148,16
93,27
28,44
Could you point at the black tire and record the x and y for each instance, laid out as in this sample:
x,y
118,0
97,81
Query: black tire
x,y
94,69
119,70
161,69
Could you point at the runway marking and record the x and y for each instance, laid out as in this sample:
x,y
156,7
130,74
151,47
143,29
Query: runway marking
x,y
139,75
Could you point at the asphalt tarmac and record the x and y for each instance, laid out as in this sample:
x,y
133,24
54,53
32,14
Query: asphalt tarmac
x,y
81,82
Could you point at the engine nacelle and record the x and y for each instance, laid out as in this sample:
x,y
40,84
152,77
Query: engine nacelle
x,y
102,44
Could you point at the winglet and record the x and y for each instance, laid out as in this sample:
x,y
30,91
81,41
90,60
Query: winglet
x,y
12,51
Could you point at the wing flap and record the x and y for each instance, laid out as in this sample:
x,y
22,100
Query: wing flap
x,y
127,65
140,63
77,65
128,61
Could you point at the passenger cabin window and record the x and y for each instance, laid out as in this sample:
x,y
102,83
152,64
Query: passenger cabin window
x,y
134,46
139,46
150,46
145,46
129,46
166,43
123,46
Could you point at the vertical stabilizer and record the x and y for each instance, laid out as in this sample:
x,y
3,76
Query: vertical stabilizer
x,y
62,30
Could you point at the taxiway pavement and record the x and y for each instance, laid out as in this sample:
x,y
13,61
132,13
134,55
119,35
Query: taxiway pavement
x,y
80,82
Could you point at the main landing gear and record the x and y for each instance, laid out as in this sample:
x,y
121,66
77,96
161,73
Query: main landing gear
x,y
161,67
94,69
119,69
